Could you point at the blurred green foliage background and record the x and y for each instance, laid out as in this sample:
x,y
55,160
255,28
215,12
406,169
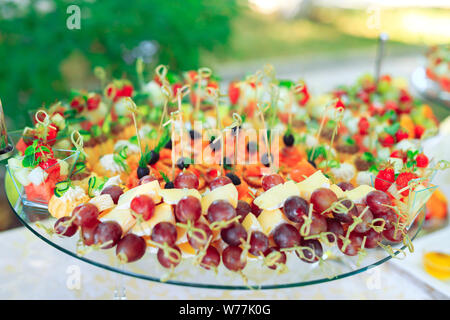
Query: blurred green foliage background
x,y
40,58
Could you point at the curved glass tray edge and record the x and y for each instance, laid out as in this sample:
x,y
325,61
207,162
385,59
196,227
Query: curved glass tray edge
x,y
15,207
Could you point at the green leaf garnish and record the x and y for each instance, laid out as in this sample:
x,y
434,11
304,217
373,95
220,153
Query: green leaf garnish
x,y
165,138
165,177
392,129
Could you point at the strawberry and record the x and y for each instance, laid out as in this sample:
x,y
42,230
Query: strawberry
x,y
422,160
43,152
385,178
399,154
418,131
405,97
391,105
93,102
127,90
78,103
403,179
339,104
401,135
364,96
363,126
176,87
157,80
213,85
233,93
386,140
305,95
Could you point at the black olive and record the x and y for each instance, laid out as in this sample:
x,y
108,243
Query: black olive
x,y
183,163
168,144
312,163
265,159
194,134
142,171
288,140
169,185
154,157
234,178
252,147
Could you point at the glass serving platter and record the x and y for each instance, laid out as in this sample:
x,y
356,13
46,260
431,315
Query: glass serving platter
x,y
334,266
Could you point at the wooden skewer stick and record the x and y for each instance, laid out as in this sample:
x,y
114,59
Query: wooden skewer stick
x,y
203,73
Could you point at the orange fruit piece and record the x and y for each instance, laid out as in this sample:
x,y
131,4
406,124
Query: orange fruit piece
x,y
437,264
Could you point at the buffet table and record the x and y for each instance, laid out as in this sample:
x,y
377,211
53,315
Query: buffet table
x,y
43,272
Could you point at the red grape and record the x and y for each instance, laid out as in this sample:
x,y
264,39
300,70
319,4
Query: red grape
x,y
372,239
353,247
231,258
348,216
164,257
186,179
107,231
392,236
220,210
280,260
143,205
367,218
286,236
164,232
233,234
88,233
147,179
345,186
196,241
63,230
86,215
114,191
334,227
259,243
242,209
377,201
318,224
295,208
271,180
255,209
188,209
322,199
131,248
219,181
211,258
315,246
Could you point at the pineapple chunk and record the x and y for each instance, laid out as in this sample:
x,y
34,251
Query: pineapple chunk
x,y
227,192
337,190
163,213
251,223
102,202
274,197
151,189
173,196
270,219
122,216
313,182
359,193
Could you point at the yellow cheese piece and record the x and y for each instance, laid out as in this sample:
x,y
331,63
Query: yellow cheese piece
x,y
251,223
274,197
173,196
313,182
122,216
270,219
102,202
227,192
358,193
150,189
163,213
337,190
